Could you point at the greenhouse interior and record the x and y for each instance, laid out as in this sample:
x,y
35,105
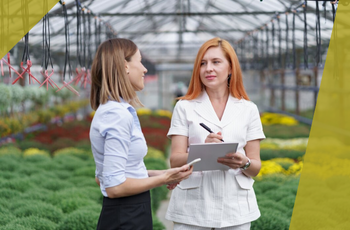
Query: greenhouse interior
x,y
47,169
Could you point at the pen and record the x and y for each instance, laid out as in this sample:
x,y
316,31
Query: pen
x,y
208,129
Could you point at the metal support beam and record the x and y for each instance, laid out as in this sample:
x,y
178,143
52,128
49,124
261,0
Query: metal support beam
x,y
166,14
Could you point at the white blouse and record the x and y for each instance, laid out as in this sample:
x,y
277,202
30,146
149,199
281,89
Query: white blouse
x,y
215,199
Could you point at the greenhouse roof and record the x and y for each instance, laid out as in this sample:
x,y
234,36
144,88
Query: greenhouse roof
x,y
173,31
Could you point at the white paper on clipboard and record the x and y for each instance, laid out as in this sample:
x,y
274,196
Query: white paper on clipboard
x,y
209,153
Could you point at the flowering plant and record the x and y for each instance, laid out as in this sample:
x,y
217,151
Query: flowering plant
x,y
276,118
35,151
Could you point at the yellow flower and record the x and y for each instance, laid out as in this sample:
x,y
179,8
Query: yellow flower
x,y
34,151
276,118
295,168
274,166
143,111
163,113
154,153
270,167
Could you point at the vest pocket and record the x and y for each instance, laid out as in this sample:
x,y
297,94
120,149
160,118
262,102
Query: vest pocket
x,y
186,195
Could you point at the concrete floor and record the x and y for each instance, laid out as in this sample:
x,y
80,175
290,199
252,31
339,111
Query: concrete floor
x,y
161,213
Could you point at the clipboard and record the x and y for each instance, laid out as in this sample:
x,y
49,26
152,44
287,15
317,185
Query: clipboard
x,y
209,153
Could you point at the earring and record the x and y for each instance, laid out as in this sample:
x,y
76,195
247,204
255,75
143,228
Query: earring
x,y
228,80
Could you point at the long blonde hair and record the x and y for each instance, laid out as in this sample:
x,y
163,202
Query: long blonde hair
x,y
236,87
109,79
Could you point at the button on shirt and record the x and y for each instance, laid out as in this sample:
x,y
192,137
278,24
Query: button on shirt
x,y
118,144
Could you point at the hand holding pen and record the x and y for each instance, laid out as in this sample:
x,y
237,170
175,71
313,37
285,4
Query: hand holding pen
x,y
208,129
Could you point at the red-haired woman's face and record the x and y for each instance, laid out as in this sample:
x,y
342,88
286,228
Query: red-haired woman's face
x,y
214,69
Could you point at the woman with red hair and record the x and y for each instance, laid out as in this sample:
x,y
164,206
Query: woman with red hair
x,y
216,96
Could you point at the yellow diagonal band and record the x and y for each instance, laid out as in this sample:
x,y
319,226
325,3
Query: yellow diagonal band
x,y
17,17
323,197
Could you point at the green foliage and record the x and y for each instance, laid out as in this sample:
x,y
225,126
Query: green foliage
x,y
10,150
157,225
35,194
155,164
40,209
285,132
17,94
69,162
69,205
8,163
15,226
35,222
268,154
262,187
278,178
83,181
7,193
6,217
62,174
273,205
288,201
278,194
5,97
84,145
55,184
61,143
275,195
80,219
39,192
154,153
39,178
271,219
44,158
18,184
29,169
88,171
157,195
8,174
26,144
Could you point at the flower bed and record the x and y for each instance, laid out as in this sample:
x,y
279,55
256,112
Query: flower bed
x,y
19,122
38,191
277,182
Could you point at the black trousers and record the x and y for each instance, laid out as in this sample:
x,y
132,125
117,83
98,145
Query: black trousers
x,y
126,213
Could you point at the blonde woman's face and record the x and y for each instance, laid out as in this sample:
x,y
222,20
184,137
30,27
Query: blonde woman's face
x,y
214,69
136,71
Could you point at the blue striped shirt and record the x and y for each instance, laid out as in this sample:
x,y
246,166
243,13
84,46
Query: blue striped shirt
x,y
118,144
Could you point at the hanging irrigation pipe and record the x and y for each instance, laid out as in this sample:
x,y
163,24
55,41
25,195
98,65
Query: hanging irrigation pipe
x,y
294,11
67,55
287,41
279,41
25,56
305,37
47,59
267,46
318,35
273,43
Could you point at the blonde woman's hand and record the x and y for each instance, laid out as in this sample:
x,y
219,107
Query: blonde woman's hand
x,y
172,186
176,175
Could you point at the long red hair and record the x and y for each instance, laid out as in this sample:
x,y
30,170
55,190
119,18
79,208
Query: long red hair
x,y
236,87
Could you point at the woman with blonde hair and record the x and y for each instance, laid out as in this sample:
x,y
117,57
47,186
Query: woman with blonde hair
x,y
117,142
216,96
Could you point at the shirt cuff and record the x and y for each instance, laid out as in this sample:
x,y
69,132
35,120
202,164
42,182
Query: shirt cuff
x,y
177,131
115,180
255,136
